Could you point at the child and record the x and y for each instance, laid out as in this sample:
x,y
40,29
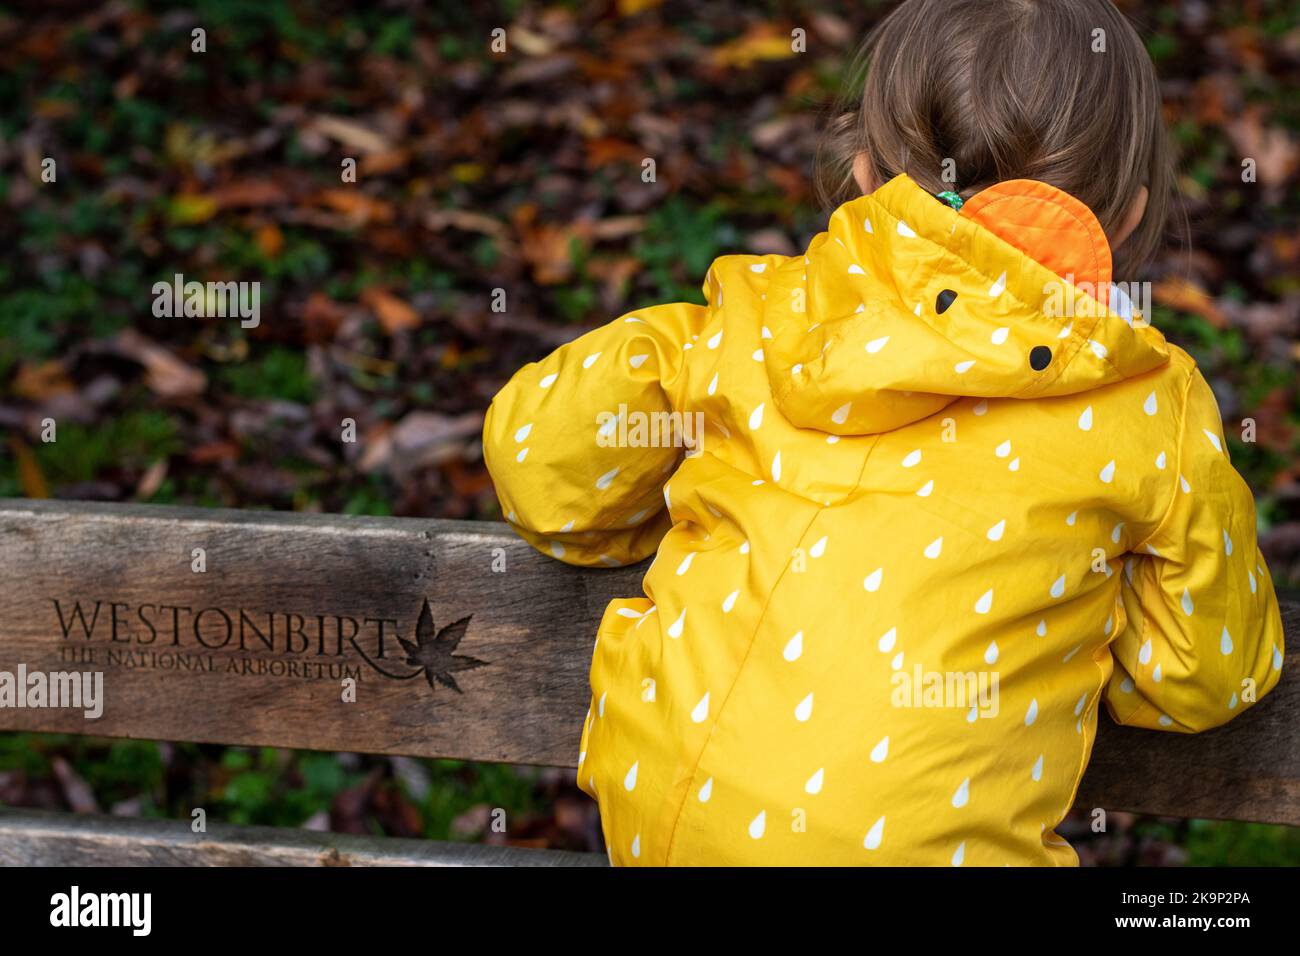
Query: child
x,y
945,502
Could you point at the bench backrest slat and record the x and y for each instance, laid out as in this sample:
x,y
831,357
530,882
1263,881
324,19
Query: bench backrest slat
x,y
255,649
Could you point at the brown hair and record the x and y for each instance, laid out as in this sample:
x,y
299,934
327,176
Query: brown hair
x,y
1009,89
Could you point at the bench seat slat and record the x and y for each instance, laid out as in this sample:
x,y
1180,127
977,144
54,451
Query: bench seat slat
x,y
36,838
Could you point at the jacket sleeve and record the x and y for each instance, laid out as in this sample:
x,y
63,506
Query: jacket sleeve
x,y
1203,640
580,444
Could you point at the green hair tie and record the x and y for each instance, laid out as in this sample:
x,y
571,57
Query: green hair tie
x,y
951,198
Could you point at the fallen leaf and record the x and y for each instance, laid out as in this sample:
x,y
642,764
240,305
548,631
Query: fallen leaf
x,y
376,448
39,382
165,372
249,193
355,205
770,242
214,452
270,240
321,317
833,29
423,438
151,480
30,476
56,109
350,133
616,227
549,247
467,221
615,274
192,208
1186,295
370,364
393,314
470,823
630,8
466,482
609,151
388,161
80,797
467,173
531,43
1274,150
763,41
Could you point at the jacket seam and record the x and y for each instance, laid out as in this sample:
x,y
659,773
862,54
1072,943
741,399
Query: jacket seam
x,y
1158,569
740,670
1095,701
1087,743
1178,468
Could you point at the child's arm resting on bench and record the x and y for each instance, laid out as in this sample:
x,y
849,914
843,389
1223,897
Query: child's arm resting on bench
x,y
1204,635
571,481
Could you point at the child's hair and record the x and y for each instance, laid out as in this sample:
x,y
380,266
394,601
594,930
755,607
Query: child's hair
x,y
1009,89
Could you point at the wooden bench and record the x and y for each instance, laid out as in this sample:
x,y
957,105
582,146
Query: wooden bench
x,y
255,649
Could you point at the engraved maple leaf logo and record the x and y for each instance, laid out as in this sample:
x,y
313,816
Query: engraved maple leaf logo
x,y
434,651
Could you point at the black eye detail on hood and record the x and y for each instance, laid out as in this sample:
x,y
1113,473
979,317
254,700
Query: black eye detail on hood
x,y
946,298
1040,356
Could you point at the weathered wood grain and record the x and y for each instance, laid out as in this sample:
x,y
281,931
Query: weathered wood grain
x,y
34,838
532,623
1248,769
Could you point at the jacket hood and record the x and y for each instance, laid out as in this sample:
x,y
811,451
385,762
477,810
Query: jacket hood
x,y
905,305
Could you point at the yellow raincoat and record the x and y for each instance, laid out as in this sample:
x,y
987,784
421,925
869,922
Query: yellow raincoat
x,y
940,506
